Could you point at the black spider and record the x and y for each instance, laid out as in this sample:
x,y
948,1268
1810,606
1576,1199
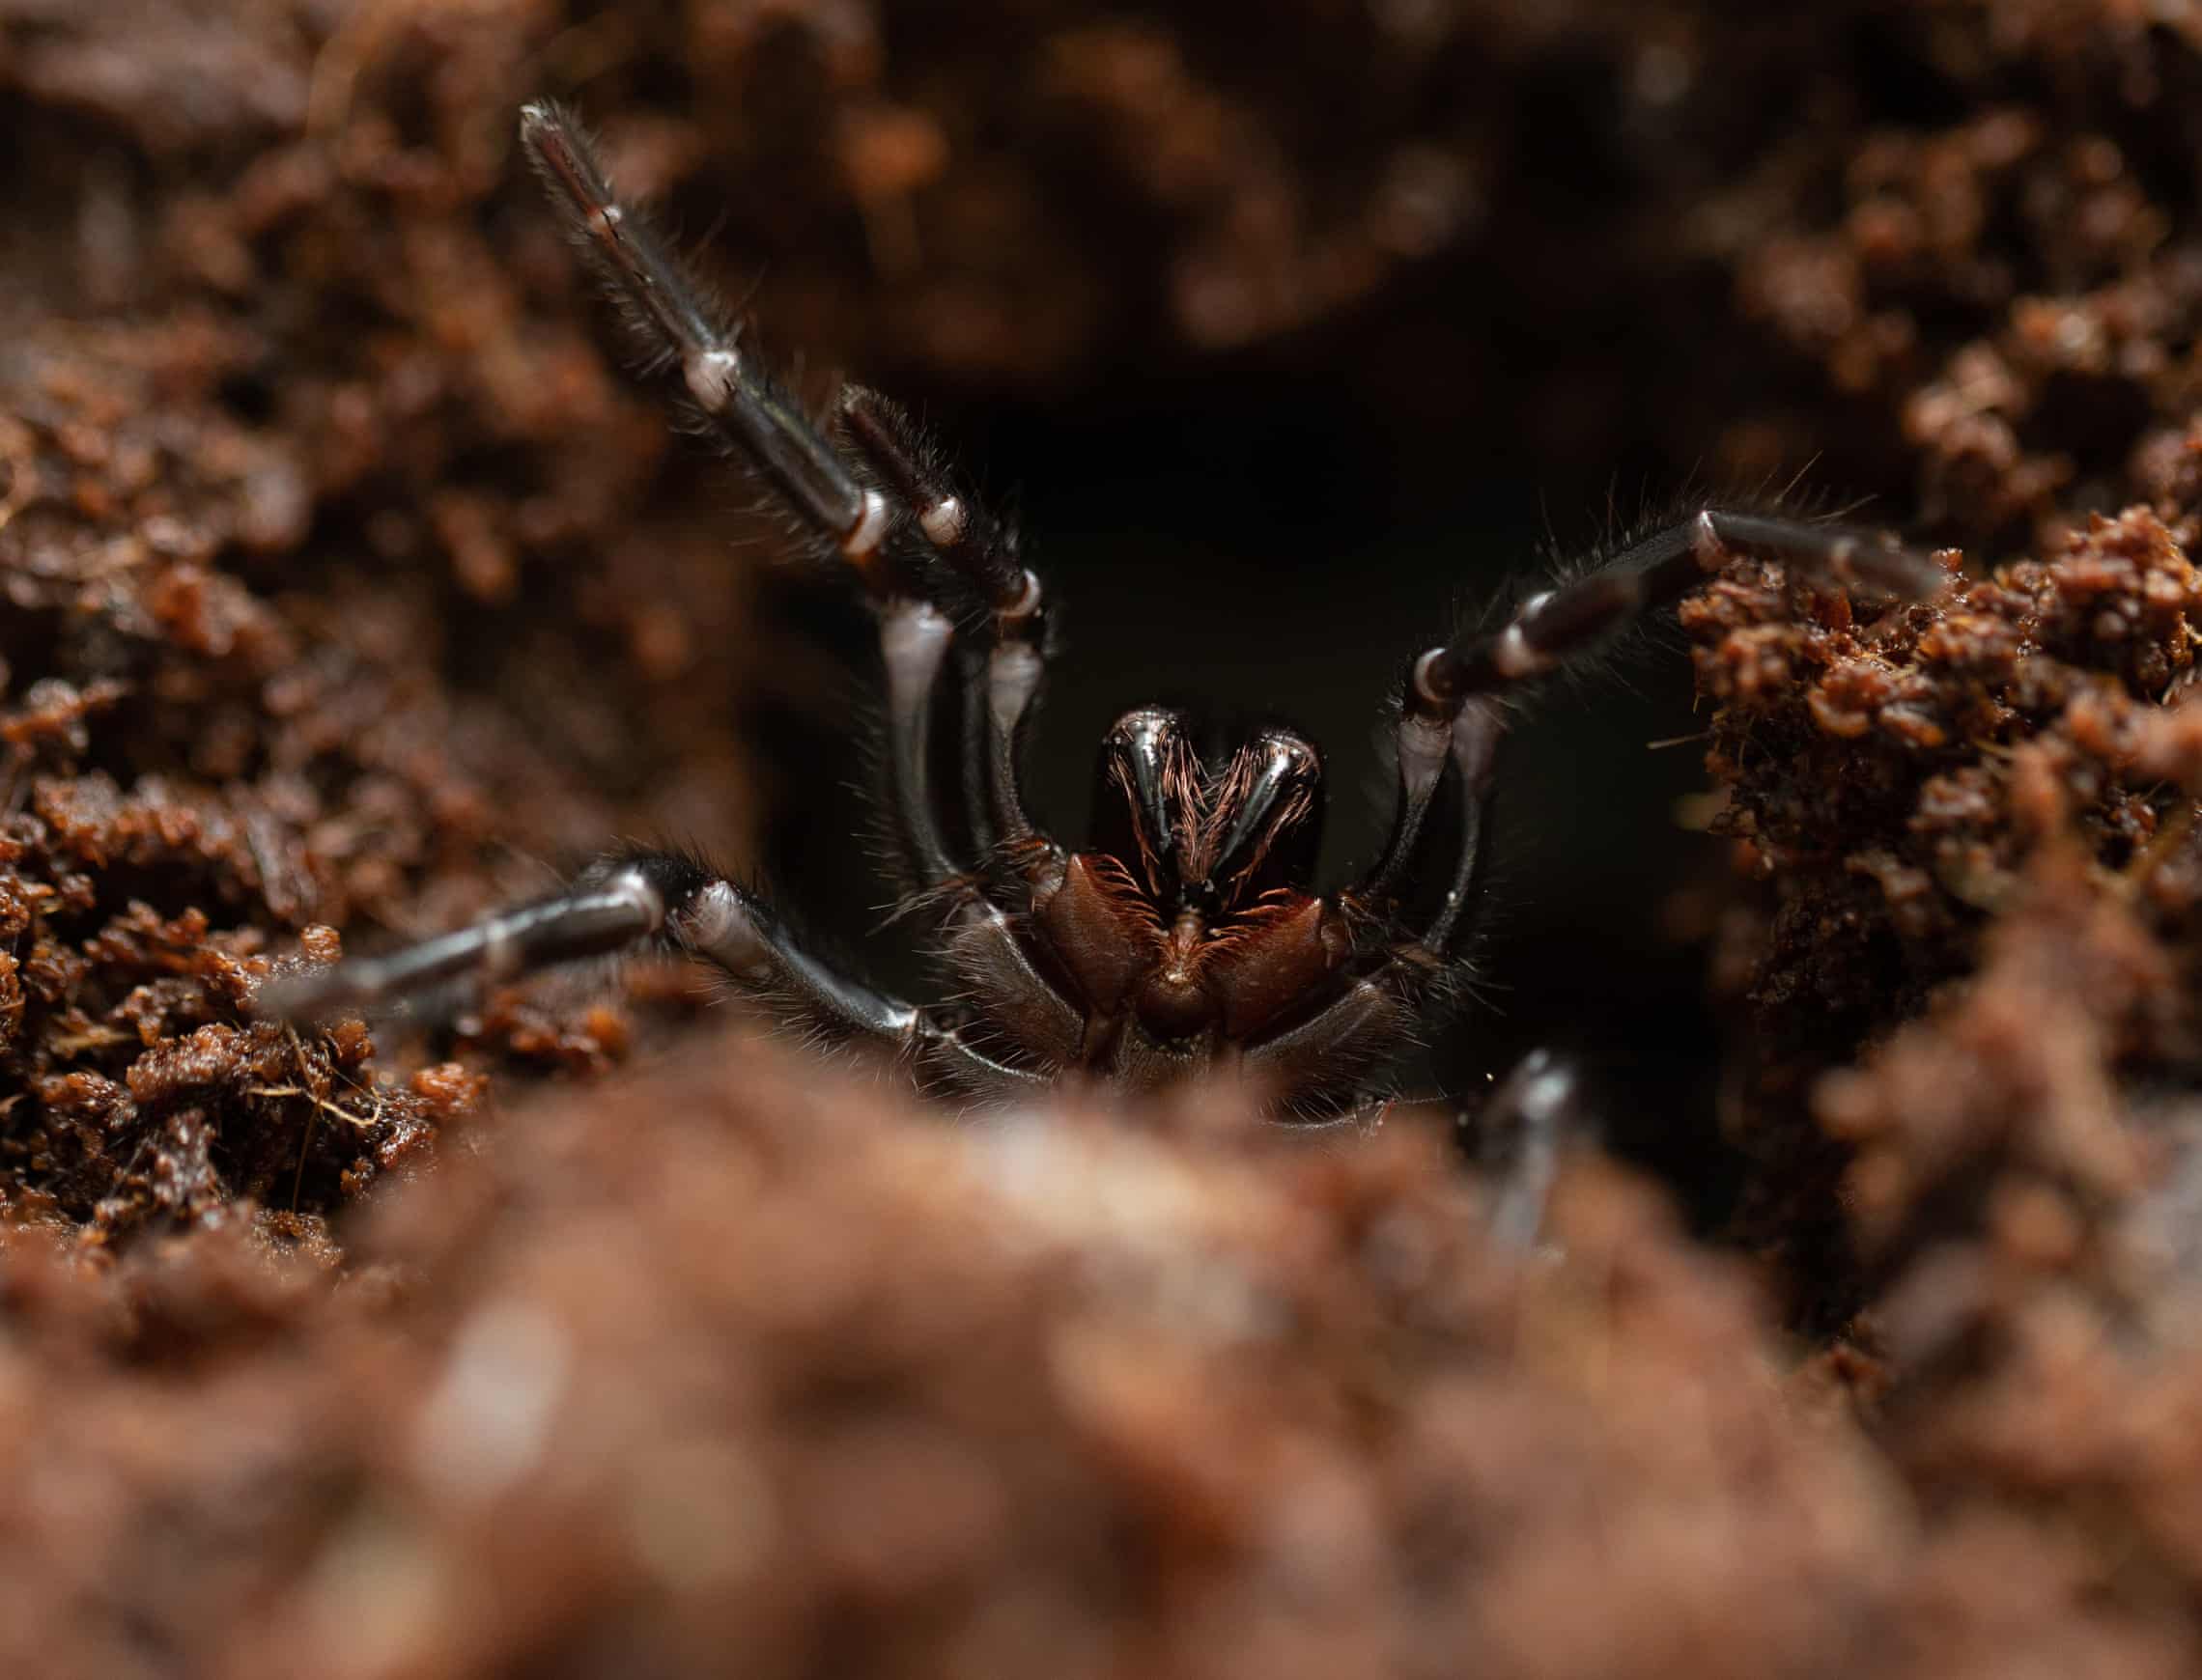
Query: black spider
x,y
1186,939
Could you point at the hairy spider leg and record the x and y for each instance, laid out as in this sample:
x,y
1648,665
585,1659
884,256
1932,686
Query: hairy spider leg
x,y
739,402
677,317
627,902
982,552
868,525
1451,717
636,900
1651,573
1575,618
1476,731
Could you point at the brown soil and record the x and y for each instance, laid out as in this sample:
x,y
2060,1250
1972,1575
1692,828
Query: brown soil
x,y
344,571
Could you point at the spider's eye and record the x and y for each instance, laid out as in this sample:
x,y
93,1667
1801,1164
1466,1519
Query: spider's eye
x,y
1148,793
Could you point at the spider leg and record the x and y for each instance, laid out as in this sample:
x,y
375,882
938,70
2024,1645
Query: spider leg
x,y
632,902
1551,628
866,510
1451,717
1424,744
675,313
980,551
918,548
1537,1110
1530,1118
978,809
1474,751
741,403
1651,573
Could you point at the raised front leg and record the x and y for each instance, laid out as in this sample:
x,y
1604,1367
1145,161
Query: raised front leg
x,y
866,490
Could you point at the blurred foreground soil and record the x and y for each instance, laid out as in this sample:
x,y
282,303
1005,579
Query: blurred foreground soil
x,y
344,572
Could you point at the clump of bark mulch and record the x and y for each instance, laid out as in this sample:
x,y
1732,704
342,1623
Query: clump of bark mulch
x,y
1927,793
760,1366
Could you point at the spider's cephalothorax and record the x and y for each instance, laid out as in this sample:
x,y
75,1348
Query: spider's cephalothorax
x,y
1189,935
